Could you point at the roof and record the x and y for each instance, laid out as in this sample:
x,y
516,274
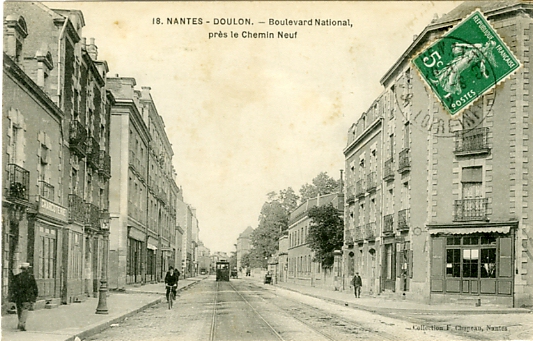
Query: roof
x,y
310,203
247,233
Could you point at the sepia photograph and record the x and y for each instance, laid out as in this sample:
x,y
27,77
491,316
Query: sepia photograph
x,y
267,170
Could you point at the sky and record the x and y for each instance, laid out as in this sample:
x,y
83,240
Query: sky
x,y
247,116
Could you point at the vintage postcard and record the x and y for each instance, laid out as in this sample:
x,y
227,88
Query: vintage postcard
x,y
267,170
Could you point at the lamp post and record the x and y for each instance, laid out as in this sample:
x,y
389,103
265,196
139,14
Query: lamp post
x,y
102,292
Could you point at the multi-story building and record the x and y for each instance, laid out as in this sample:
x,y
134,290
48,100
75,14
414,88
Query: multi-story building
x,y
244,245
204,260
184,217
143,209
301,267
162,192
178,258
56,174
452,199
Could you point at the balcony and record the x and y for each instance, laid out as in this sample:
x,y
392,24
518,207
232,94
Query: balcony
x,y
104,164
388,224
132,159
404,161
404,217
388,171
371,182
370,231
93,153
348,238
358,234
471,141
47,190
470,209
360,189
92,216
78,138
76,208
18,183
350,197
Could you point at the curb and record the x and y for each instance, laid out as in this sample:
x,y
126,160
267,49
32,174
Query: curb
x,y
103,326
393,311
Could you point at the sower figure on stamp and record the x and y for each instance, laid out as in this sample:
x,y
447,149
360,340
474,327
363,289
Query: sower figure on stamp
x,y
25,293
357,283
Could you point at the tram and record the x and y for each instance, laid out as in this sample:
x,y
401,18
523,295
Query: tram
x,y
222,270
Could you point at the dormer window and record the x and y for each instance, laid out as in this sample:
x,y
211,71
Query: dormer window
x,y
15,33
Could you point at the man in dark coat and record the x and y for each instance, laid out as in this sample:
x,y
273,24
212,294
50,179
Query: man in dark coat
x,y
25,293
357,283
170,281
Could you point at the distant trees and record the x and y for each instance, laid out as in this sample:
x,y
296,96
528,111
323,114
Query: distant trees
x,y
274,218
322,184
326,233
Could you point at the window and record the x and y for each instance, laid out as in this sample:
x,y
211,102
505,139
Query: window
x,y
471,182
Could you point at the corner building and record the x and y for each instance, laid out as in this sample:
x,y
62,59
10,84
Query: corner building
x,y
452,208
56,180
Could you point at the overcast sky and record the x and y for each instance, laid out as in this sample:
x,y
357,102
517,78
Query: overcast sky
x,y
248,116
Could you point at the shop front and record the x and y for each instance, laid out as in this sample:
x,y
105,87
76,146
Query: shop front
x,y
472,263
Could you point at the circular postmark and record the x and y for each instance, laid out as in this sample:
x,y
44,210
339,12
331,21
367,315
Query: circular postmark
x,y
468,65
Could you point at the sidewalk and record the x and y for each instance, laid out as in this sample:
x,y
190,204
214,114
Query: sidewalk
x,y
79,319
386,305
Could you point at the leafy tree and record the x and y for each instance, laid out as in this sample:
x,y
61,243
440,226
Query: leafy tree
x,y
233,258
322,184
326,233
288,199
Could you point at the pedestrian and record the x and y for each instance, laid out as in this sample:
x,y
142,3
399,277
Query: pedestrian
x,y
357,283
25,293
170,281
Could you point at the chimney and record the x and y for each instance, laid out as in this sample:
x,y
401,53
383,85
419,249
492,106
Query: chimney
x,y
146,91
341,183
84,44
92,50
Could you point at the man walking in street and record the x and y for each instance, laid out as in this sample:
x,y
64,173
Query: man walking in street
x,y
25,293
357,283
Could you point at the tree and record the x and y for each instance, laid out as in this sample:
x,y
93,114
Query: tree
x,y
326,233
322,184
288,199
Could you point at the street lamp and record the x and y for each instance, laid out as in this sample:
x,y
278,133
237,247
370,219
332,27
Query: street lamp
x,y
102,293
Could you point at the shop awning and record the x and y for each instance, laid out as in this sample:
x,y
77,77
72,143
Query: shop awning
x,y
470,230
151,247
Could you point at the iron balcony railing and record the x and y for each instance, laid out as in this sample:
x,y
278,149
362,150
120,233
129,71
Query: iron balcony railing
x,y
360,188
93,153
370,231
404,161
76,208
358,234
78,138
18,182
350,196
470,209
92,215
104,163
388,171
47,190
348,238
371,182
403,219
388,224
472,141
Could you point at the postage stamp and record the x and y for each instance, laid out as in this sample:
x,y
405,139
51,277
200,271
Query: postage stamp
x,y
464,64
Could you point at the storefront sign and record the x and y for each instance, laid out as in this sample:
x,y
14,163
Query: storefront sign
x,y
53,210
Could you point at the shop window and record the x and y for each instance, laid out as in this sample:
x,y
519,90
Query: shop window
x,y
470,263
488,263
453,262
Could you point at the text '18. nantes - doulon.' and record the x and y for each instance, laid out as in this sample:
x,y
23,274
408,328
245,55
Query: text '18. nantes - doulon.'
x,y
250,22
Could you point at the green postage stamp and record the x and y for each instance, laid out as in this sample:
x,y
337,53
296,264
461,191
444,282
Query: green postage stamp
x,y
465,63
